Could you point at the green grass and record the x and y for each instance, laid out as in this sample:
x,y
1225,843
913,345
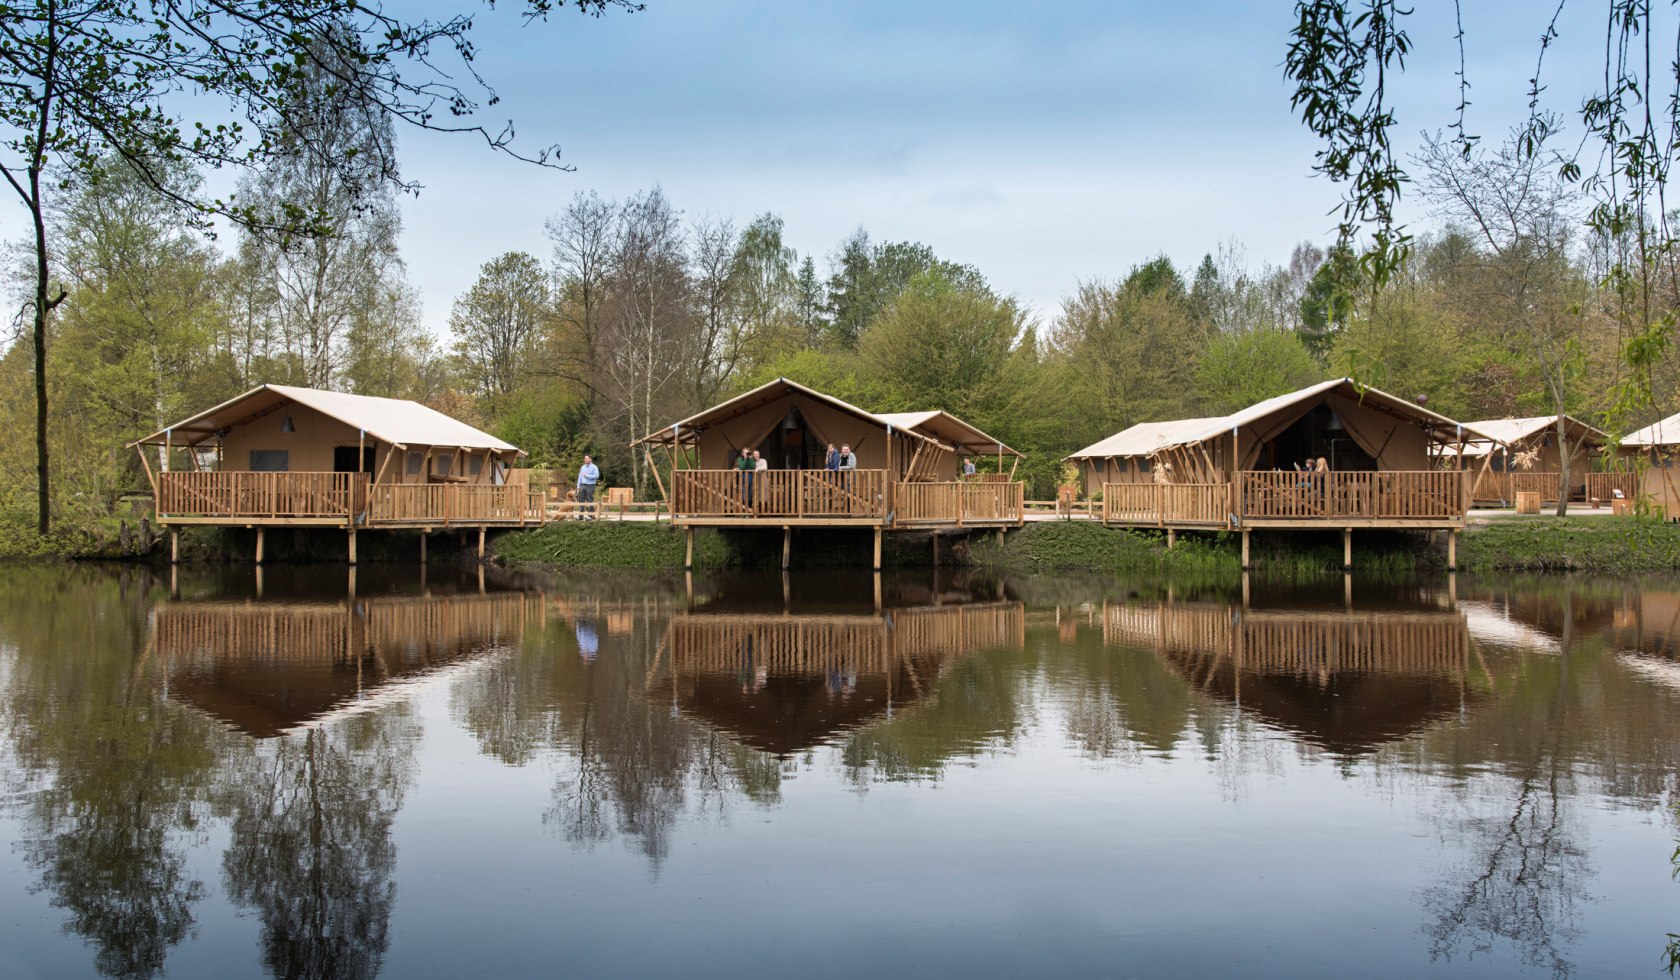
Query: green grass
x,y
611,544
104,538
1618,545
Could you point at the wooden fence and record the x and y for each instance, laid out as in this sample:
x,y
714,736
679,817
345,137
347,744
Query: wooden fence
x,y
341,497
314,496
1166,503
1602,486
960,503
1385,495
779,493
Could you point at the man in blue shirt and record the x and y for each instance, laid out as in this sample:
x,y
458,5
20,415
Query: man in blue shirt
x,y
588,475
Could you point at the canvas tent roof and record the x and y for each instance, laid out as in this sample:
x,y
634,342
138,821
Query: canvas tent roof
x,y
1141,441
392,420
947,428
771,391
1664,433
1509,432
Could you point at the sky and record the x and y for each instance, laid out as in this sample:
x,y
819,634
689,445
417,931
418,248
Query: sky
x,y
1046,143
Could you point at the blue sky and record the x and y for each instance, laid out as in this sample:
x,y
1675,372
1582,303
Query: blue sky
x,y
1046,143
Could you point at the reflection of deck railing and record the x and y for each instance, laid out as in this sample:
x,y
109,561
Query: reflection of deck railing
x,y
867,644
1166,503
967,502
336,497
779,493
1297,643
1378,495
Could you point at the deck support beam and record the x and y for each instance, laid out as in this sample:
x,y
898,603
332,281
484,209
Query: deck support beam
x,y
422,546
1347,549
787,545
260,532
876,564
174,545
1245,534
481,531
1172,538
352,547
688,559
1452,551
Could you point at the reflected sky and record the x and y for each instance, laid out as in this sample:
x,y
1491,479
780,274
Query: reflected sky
x,y
327,775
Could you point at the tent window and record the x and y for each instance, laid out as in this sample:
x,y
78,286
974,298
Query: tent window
x,y
475,465
1097,466
1143,464
270,460
1122,465
442,463
415,462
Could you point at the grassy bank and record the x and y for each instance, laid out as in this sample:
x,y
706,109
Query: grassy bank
x,y
1083,546
1614,545
108,538
611,544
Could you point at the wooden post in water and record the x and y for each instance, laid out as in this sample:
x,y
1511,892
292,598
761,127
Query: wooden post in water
x,y
481,530
876,565
935,537
1172,538
1452,550
1245,533
352,548
1347,549
422,546
787,545
688,559
260,530
174,545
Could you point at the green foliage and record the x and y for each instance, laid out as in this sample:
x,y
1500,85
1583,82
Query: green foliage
x,y
1617,545
1239,369
612,544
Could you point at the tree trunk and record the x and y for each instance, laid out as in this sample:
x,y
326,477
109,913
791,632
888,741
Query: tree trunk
x,y
43,488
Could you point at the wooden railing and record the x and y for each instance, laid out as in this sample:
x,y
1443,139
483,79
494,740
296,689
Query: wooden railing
x,y
1392,495
1602,486
450,503
313,496
1166,503
1506,486
779,493
347,497
959,503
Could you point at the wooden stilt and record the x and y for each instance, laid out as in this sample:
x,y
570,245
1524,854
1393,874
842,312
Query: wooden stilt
x,y
688,559
1452,551
422,547
481,530
260,545
259,581
1347,548
935,537
1245,534
1452,589
787,546
877,560
1347,591
352,546
1172,538
174,545
1245,589
174,582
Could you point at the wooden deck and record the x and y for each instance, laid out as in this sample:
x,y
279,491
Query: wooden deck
x,y
866,498
347,500
1288,499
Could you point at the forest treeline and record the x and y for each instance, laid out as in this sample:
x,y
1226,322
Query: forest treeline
x,y
643,311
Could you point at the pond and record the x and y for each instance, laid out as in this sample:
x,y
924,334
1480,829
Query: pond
x,y
312,772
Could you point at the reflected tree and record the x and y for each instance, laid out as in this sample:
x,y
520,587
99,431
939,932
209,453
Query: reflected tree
x,y
111,783
312,853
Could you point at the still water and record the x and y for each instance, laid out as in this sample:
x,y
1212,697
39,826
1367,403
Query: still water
x,y
320,775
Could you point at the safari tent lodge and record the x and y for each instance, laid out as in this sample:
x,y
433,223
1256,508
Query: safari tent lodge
x,y
1522,455
283,456
1387,462
908,471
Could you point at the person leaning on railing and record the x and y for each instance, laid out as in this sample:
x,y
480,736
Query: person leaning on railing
x,y
746,466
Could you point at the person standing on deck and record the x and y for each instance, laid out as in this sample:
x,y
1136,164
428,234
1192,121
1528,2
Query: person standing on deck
x,y
746,467
968,467
833,460
588,475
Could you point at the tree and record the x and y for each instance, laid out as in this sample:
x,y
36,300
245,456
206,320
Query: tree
x,y
583,237
499,321
867,277
86,80
1240,368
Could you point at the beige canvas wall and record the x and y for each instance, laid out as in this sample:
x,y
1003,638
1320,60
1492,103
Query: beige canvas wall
x,y
720,445
310,448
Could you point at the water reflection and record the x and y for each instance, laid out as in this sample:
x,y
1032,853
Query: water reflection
x,y
1341,679
1482,763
